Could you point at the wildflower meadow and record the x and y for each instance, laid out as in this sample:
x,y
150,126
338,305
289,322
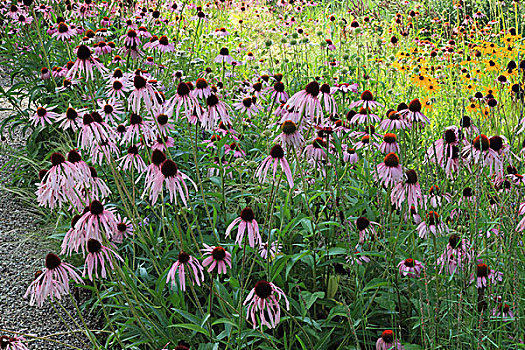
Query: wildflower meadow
x,y
271,174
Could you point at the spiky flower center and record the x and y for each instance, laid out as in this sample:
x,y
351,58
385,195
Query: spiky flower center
x,y
481,143
414,105
432,217
288,127
362,223
263,289
247,214
411,176
52,261
169,168
218,253
83,52
183,89
409,262
390,138
277,152
212,101
496,143
57,159
388,336
183,257
391,160
93,246
454,241
96,208
482,270
312,88
367,96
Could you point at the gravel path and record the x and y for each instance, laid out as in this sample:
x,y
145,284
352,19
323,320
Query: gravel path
x,y
23,247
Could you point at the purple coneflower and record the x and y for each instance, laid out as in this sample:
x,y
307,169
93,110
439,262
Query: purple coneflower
x,y
132,160
457,254
224,56
407,190
389,144
366,229
43,115
394,121
410,267
12,343
93,130
185,262
96,219
163,45
306,100
413,114
84,64
52,281
367,101
186,100
316,150
98,255
269,251
387,342
290,135
173,179
390,171
249,106
138,128
142,90
64,32
264,299
216,257
202,89
247,223
484,275
432,224
217,110
364,116
124,228
276,157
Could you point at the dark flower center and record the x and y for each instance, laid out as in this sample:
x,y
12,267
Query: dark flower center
x,y
247,214
117,85
454,241
96,208
325,88
402,106
409,262
393,115
121,129
278,86
122,227
411,176
496,143
83,52
183,89
389,138
73,156
62,27
481,142
71,114
212,101
135,119
139,82
247,102
108,109
201,83
218,253
391,160
312,88
183,257
277,152
257,87
263,289
318,143
482,270
41,111
365,139
52,261
93,246
450,136
224,52
388,336
289,127
57,159
133,150
414,105
467,192
169,168
163,40
162,119
362,223
367,96
93,172
432,218
42,173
